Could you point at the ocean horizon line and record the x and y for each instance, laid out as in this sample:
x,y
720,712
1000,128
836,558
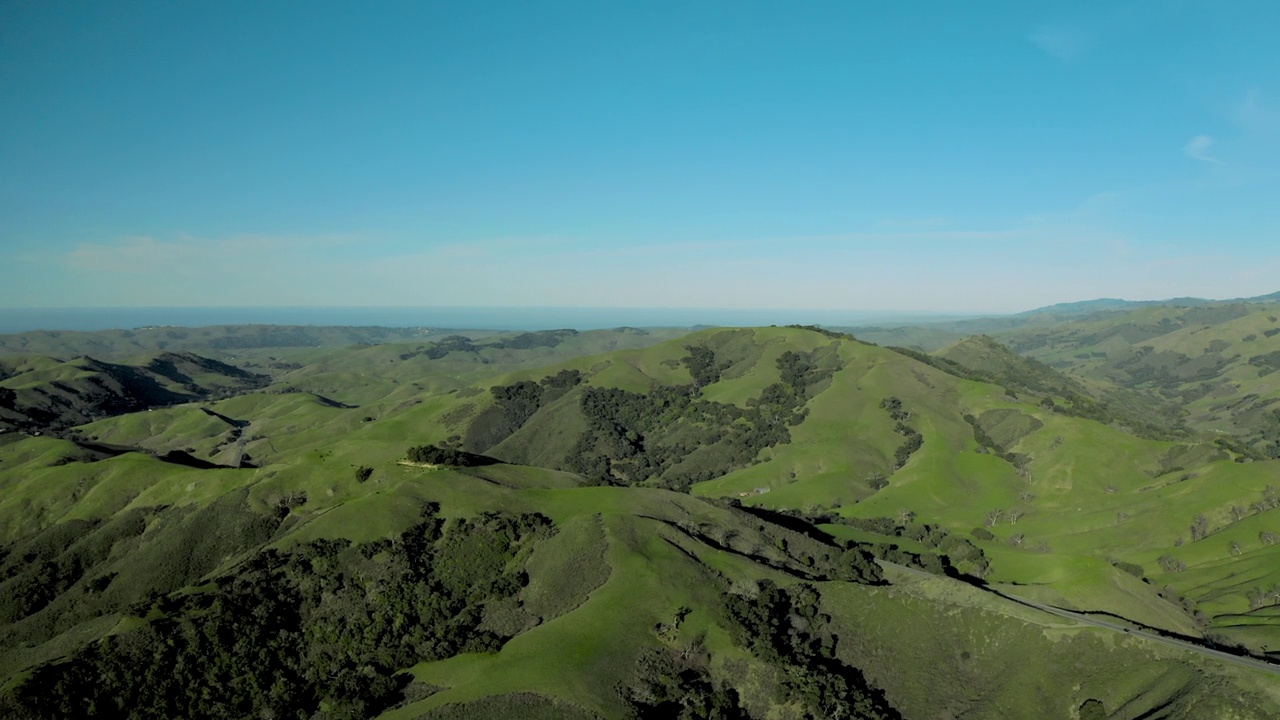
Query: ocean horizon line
x,y
527,318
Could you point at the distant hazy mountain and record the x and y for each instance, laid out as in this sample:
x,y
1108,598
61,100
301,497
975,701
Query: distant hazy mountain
x,y
1085,307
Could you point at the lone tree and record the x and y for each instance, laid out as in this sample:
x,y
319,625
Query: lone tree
x,y
994,517
363,473
1199,527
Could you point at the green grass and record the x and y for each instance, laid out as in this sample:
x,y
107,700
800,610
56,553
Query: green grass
x,y
845,439
1093,494
574,655
625,559
957,652
567,568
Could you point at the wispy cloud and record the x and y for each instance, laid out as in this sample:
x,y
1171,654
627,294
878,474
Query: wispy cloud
x,y
1063,42
1200,148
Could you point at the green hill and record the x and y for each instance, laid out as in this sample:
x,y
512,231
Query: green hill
x,y
124,343
46,393
568,573
1198,366
1217,363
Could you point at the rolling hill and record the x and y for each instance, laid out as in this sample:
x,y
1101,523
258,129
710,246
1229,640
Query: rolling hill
x,y
1217,363
46,393
767,522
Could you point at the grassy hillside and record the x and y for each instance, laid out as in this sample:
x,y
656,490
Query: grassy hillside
x,y
1216,363
631,581
1056,489
1204,366
124,343
46,393
568,574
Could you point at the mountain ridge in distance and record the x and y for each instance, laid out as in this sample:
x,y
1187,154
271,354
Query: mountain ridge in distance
x,y
1085,307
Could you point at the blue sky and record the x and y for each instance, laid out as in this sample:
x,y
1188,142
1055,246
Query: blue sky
x,y
921,156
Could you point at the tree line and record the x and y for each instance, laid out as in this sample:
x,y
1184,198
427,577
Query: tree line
x,y
324,627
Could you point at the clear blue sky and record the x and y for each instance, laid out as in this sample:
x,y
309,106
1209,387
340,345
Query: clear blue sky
x,y
881,156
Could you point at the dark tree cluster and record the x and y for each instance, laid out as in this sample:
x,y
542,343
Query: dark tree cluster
x,y
800,371
513,406
317,631
433,455
1266,364
1199,527
531,340
39,568
562,380
671,434
153,550
1242,451
786,628
893,405
987,444
955,554
444,346
633,438
676,685
461,343
912,442
912,439
829,560
981,437
703,366
1131,568
1268,435
834,335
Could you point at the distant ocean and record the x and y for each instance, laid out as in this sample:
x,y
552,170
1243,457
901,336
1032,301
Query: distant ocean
x,y
15,320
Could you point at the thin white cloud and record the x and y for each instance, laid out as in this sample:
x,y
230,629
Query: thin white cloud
x,y
1200,148
1062,42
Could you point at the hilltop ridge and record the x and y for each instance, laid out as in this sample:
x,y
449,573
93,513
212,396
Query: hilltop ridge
x,y
1088,307
616,524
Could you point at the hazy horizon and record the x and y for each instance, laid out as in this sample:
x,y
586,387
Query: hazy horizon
x,y
17,320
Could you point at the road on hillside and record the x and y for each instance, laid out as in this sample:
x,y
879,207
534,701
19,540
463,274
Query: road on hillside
x,y
1244,661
